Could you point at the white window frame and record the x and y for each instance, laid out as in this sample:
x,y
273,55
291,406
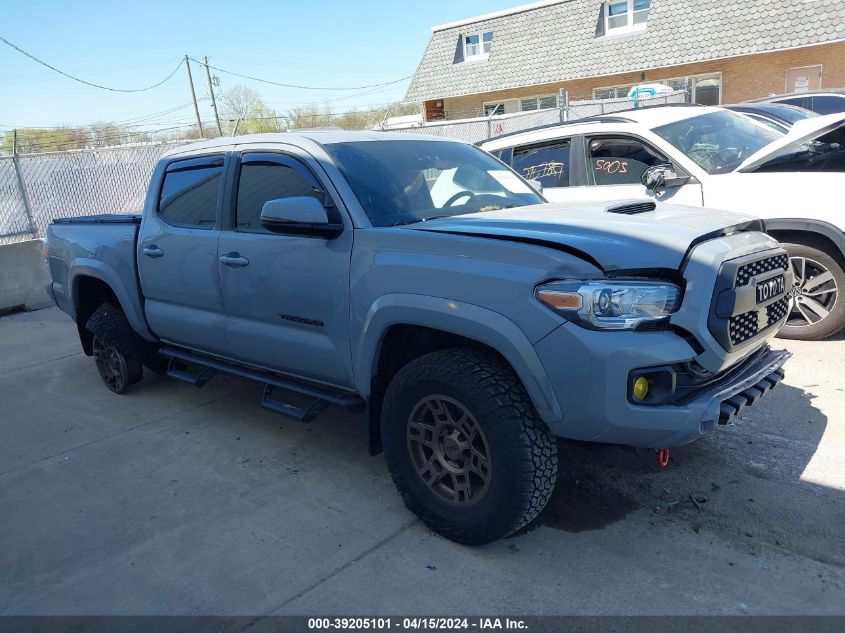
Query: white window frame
x,y
691,78
694,83
481,55
616,88
493,104
536,100
629,25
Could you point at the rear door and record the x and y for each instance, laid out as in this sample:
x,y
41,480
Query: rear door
x,y
551,163
286,296
177,254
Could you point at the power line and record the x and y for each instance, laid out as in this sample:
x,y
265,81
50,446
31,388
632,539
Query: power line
x,y
82,81
276,83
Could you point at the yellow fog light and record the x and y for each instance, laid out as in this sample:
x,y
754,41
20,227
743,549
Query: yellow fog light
x,y
640,390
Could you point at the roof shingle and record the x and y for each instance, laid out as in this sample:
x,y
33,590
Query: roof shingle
x,y
559,42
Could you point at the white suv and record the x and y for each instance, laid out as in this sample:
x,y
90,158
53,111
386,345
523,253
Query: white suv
x,y
707,156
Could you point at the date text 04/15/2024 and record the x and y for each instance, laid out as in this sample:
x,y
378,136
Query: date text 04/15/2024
x,y
416,623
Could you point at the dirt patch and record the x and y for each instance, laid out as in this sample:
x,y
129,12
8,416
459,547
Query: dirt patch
x,y
580,505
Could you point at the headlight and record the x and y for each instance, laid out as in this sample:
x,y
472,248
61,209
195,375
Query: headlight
x,y
610,304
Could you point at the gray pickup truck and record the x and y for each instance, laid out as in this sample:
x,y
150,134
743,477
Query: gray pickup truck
x,y
421,280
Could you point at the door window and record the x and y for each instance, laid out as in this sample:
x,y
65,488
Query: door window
x,y
547,162
269,180
619,160
190,193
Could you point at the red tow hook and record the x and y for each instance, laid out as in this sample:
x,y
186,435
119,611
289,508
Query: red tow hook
x,y
662,457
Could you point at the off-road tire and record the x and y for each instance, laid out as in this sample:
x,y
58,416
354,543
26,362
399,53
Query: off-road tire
x,y
523,465
109,324
835,320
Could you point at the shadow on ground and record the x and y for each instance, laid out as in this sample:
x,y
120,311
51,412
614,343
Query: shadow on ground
x,y
744,480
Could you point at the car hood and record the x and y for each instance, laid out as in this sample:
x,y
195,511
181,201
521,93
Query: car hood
x,y
601,233
803,131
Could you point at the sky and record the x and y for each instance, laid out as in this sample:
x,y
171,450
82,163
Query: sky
x,y
123,44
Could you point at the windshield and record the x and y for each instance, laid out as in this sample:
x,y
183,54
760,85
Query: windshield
x,y
718,142
402,182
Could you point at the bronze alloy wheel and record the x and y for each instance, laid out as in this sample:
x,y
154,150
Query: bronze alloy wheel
x,y
111,365
448,450
814,292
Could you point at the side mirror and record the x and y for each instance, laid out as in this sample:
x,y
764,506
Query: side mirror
x,y
536,185
662,176
299,215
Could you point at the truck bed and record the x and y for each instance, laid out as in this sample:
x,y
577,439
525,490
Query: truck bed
x,y
96,247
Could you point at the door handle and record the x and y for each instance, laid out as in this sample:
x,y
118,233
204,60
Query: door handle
x,y
234,260
153,251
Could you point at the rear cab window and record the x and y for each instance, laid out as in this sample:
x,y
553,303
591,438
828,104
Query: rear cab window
x,y
190,192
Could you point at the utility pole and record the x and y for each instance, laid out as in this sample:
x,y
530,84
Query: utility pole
x,y
213,100
194,95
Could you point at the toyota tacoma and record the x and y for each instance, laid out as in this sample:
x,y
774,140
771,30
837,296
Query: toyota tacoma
x,y
423,281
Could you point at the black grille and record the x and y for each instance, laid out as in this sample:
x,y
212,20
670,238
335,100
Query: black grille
x,y
736,317
746,272
743,326
777,311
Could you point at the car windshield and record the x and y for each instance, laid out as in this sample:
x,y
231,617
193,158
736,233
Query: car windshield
x,y
407,181
718,142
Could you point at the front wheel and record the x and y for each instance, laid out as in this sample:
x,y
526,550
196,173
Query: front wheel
x,y
816,308
465,447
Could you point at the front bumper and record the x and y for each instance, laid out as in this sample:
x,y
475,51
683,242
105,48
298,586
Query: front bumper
x,y
591,384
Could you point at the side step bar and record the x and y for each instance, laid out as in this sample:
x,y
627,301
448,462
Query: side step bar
x,y
323,396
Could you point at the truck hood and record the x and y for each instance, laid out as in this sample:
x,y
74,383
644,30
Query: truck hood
x,y
803,131
601,233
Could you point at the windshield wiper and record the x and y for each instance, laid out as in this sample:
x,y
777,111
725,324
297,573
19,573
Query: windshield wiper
x,y
428,218
417,221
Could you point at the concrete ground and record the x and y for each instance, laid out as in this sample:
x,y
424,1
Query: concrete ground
x,y
173,500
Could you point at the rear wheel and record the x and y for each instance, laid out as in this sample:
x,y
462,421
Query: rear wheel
x,y
816,308
118,349
116,371
465,447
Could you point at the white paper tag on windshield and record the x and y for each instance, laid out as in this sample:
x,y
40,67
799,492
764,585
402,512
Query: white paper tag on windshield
x,y
510,181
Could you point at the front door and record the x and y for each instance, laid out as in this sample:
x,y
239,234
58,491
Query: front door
x,y
286,296
615,165
177,258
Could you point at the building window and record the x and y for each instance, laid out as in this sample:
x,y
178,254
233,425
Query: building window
x,y
626,15
704,89
491,109
538,103
478,45
616,92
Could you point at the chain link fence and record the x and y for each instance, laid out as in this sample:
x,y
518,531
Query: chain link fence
x,y
473,130
35,189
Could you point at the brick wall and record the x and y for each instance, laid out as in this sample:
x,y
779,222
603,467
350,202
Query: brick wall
x,y
743,78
